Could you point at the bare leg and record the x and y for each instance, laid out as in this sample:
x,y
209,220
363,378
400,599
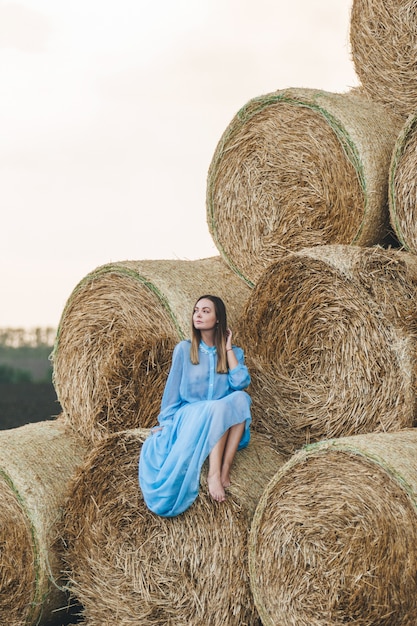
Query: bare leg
x,y
234,436
214,482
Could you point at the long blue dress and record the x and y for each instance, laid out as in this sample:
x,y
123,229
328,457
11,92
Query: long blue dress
x,y
198,407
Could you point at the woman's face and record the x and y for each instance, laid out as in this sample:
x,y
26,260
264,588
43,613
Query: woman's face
x,y
204,315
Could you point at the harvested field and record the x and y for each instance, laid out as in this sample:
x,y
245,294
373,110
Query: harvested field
x,y
24,403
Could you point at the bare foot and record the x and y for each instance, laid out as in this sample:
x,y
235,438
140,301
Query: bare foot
x,y
215,488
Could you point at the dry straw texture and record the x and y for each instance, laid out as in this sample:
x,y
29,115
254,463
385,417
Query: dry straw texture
x,y
334,537
384,52
36,464
125,562
299,168
403,186
330,340
117,331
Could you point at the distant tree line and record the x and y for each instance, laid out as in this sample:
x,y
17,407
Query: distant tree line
x,y
27,337
24,354
27,393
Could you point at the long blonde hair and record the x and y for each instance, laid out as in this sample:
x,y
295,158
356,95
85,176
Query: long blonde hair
x,y
219,334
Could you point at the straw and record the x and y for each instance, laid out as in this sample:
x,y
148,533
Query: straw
x,y
382,41
299,168
402,186
36,463
334,536
330,339
125,561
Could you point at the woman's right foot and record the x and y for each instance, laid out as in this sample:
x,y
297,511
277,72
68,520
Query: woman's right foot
x,y
216,488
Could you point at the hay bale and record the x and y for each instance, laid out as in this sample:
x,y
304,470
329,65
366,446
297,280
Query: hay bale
x,y
402,186
384,53
124,560
36,464
298,168
330,340
334,536
117,331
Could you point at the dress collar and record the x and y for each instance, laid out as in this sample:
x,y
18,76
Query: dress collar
x,y
205,348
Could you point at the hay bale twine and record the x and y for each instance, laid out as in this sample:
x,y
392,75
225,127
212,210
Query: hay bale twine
x,y
298,168
124,561
402,186
384,53
115,338
330,339
334,536
36,464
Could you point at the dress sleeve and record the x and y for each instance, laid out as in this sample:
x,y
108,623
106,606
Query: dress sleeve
x,y
171,398
239,377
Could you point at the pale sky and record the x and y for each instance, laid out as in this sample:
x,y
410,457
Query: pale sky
x,y
110,113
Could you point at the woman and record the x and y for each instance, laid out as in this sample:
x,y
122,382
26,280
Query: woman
x,y
204,413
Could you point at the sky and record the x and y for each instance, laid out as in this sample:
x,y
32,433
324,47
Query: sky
x,y
110,113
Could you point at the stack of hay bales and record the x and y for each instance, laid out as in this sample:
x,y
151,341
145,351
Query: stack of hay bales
x,y
319,528
111,359
331,335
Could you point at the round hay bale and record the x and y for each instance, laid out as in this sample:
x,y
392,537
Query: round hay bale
x,y
334,537
36,464
330,340
124,560
117,331
298,168
384,52
403,187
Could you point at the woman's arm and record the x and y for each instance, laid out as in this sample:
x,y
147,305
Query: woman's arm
x,y
171,398
239,377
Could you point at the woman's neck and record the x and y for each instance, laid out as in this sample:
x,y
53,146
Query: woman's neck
x,y
208,337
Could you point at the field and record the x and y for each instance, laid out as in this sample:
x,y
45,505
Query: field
x,y
26,390
25,402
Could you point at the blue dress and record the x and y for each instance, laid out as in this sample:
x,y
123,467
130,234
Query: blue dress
x,y
198,407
